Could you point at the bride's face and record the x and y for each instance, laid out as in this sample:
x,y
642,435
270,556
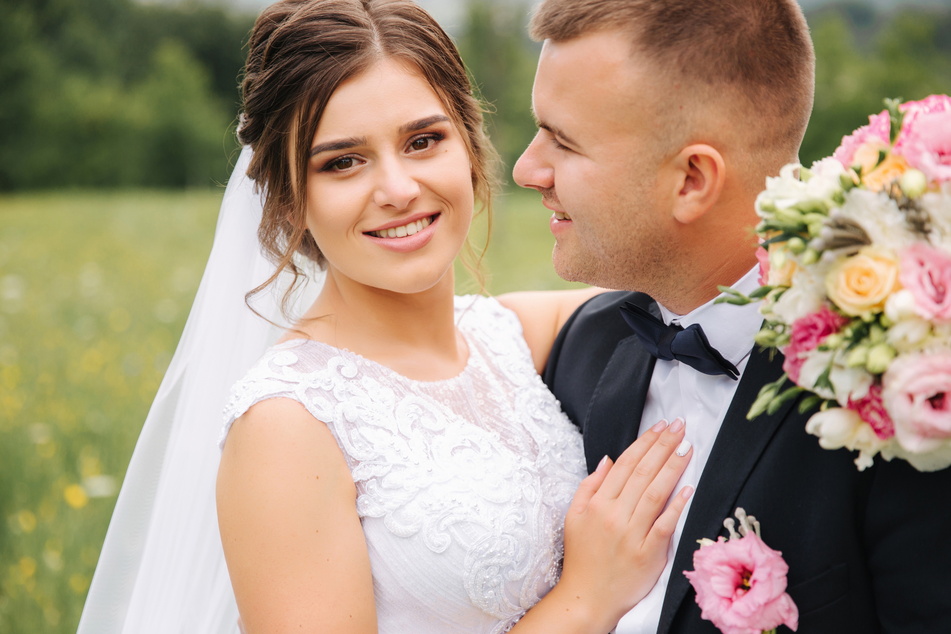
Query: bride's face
x,y
389,183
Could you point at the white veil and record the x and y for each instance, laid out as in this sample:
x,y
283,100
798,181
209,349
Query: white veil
x,y
162,569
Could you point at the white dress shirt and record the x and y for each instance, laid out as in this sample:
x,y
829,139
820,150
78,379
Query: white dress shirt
x,y
701,400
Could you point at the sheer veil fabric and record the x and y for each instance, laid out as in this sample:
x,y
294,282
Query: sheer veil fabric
x,y
162,569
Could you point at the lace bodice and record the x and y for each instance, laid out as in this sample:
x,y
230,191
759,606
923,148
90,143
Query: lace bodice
x,y
462,484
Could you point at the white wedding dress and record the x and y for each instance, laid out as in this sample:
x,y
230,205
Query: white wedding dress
x,y
462,484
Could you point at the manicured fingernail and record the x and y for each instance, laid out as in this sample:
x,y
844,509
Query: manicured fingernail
x,y
683,448
660,426
677,425
601,464
686,492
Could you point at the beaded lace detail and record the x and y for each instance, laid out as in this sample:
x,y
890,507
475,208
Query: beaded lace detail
x,y
462,484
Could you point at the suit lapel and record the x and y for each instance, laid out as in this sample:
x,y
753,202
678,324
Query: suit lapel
x,y
737,449
614,413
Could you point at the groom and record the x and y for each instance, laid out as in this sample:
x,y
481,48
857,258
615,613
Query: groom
x,y
659,121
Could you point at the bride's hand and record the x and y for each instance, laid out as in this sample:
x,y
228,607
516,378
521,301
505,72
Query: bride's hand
x,y
617,529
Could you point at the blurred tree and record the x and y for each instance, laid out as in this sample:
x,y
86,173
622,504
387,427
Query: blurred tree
x,y
863,57
101,94
501,57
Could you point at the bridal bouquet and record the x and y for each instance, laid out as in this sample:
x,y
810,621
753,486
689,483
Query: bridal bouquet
x,y
856,287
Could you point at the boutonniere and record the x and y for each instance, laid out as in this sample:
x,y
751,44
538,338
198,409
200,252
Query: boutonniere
x,y
741,582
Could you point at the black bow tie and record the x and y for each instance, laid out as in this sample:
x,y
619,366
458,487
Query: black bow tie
x,y
688,345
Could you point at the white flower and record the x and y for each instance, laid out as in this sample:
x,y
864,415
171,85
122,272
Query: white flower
x,y
781,191
839,427
816,363
820,183
900,305
935,460
879,215
826,180
804,297
849,382
938,206
909,334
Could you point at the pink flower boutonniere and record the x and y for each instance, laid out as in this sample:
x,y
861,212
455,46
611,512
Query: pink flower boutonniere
x,y
741,582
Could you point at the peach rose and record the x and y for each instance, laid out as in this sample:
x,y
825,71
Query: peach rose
x,y
889,171
876,133
860,284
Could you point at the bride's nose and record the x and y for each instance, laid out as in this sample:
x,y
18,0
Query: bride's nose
x,y
396,186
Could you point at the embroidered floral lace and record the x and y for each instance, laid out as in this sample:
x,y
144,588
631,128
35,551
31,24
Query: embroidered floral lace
x,y
462,484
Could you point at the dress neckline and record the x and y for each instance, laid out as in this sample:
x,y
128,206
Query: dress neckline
x,y
365,361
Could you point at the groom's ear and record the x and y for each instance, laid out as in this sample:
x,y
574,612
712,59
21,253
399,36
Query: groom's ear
x,y
701,174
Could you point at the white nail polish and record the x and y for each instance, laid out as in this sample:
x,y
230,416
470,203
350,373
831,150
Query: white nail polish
x,y
683,448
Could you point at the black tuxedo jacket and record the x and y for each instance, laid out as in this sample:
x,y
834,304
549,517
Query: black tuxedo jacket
x,y
867,551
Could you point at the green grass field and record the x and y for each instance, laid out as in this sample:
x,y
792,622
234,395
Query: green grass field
x,y
94,292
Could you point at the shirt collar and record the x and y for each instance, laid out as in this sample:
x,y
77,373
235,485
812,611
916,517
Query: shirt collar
x,y
729,328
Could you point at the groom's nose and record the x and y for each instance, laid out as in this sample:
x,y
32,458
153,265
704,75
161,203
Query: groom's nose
x,y
531,169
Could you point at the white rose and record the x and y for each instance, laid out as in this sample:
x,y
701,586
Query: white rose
x,y
838,427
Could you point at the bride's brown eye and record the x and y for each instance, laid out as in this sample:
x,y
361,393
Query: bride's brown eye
x,y
342,163
420,144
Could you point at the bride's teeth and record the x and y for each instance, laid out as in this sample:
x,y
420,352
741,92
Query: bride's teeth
x,y
406,230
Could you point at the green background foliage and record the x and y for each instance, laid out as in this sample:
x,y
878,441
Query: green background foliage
x,y
116,128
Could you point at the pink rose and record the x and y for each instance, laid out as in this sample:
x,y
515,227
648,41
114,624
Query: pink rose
x,y
741,586
926,272
876,132
917,395
925,139
914,109
871,409
807,333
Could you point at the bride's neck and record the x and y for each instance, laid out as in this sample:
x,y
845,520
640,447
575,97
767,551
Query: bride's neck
x,y
414,334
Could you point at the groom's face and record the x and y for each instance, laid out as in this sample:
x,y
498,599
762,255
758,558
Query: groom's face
x,y
597,161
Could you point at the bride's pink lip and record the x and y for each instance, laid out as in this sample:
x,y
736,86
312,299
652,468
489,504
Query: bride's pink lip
x,y
407,244
402,222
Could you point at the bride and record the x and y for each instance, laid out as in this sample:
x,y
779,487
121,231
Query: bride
x,y
394,462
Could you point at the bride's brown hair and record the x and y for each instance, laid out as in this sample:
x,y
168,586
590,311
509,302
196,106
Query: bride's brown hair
x,y
300,51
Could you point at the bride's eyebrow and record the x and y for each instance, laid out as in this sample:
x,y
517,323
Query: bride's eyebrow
x,y
420,124
355,141
341,144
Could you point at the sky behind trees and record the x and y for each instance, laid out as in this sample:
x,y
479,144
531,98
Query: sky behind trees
x,y
136,93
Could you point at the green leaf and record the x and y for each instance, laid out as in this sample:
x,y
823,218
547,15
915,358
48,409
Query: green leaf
x,y
810,402
823,380
732,296
783,398
896,117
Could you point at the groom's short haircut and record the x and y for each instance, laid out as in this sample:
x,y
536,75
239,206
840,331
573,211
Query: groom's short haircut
x,y
755,51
